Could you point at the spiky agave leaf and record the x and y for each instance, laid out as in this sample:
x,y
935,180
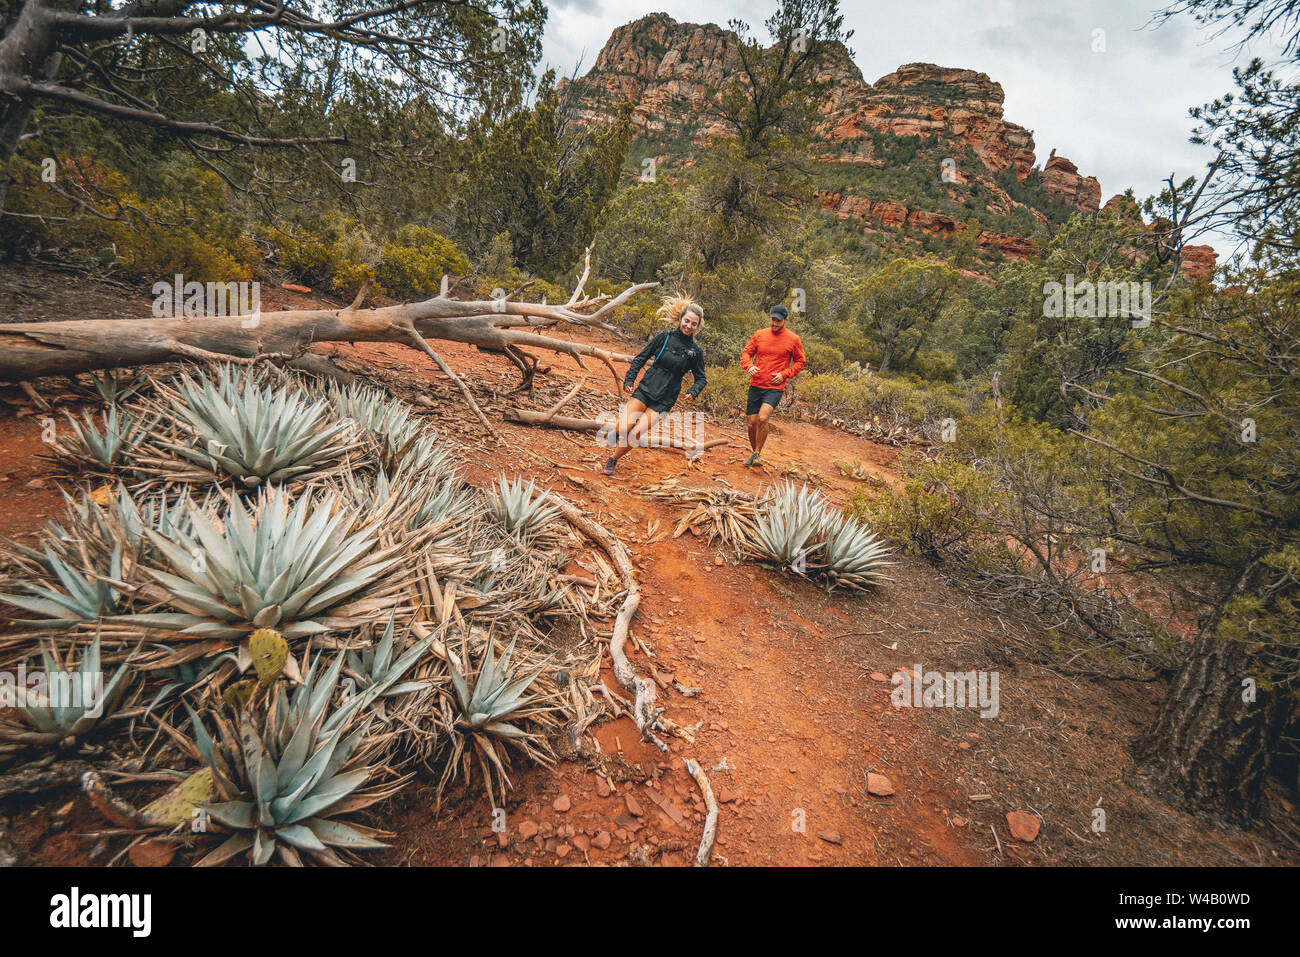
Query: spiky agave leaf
x,y
75,701
289,765
787,527
399,437
282,564
113,388
447,502
77,595
414,500
378,664
517,508
82,568
254,431
853,554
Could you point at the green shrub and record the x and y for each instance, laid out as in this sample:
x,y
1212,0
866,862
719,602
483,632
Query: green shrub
x,y
723,338
143,236
728,388
922,519
889,403
341,255
412,266
336,255
822,357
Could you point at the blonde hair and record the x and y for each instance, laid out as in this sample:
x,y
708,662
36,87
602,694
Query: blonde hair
x,y
674,307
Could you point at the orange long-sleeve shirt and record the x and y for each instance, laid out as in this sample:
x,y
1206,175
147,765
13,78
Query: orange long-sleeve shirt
x,y
773,352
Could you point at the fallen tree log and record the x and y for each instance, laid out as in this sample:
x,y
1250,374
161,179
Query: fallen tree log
x,y
29,350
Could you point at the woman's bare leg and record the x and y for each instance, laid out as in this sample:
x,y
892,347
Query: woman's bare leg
x,y
644,423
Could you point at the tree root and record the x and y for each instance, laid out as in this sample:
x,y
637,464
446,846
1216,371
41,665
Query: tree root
x,y
711,819
648,718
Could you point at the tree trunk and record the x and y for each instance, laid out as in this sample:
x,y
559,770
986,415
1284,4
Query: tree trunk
x,y
886,356
1210,749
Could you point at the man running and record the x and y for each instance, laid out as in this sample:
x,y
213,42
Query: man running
x,y
772,358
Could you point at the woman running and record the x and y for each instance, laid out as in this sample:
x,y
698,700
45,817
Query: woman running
x,y
673,353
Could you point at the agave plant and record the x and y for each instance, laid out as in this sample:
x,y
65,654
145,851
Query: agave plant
x,y
375,666
253,431
76,701
277,566
89,447
515,508
84,595
288,766
853,554
488,703
788,529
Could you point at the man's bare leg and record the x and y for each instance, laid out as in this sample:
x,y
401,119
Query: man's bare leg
x,y
761,428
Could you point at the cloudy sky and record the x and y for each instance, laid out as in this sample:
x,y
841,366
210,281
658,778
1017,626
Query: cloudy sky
x,y
1119,113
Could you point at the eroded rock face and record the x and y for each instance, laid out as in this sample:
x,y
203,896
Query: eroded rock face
x,y
1199,262
669,71
1063,182
672,72
891,215
934,102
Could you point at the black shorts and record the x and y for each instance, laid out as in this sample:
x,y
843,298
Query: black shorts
x,y
760,397
655,404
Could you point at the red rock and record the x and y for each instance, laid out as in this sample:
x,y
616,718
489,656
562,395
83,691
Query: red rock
x,y
294,287
527,829
1199,262
633,806
601,840
581,841
562,803
959,822
877,676
879,785
1061,181
725,796
602,787
831,836
1024,827
563,850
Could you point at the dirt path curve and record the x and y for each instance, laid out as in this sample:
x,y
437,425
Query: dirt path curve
x,y
790,718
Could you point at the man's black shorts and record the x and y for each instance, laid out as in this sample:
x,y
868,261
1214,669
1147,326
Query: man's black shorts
x,y
760,397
